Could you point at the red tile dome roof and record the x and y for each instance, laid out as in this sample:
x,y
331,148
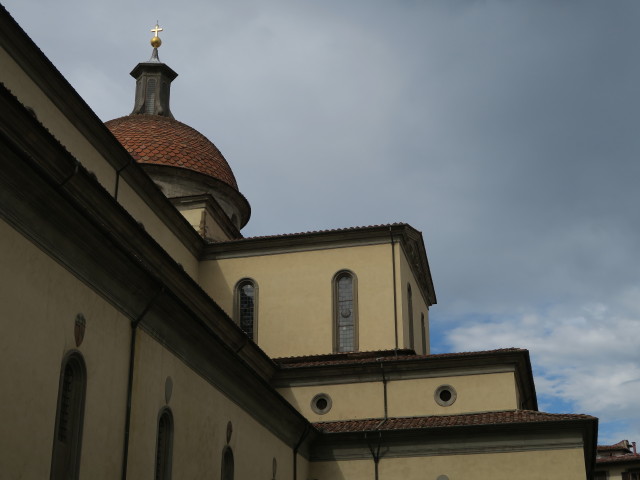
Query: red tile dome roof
x,y
159,140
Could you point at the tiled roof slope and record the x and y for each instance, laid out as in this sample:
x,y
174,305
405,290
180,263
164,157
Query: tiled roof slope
x,y
377,356
158,140
630,457
440,421
621,445
329,230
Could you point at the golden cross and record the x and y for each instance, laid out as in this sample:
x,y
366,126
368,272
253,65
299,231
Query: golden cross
x,y
156,29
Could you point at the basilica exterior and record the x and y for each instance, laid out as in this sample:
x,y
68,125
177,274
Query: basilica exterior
x,y
143,336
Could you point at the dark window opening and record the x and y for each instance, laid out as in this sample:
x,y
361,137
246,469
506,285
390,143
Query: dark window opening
x,y
164,446
68,431
246,293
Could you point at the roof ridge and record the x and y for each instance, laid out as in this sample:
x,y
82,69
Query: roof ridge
x,y
328,230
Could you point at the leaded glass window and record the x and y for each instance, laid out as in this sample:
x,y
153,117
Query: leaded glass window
x,y
345,313
246,296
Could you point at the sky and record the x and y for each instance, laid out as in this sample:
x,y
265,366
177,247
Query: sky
x,y
506,131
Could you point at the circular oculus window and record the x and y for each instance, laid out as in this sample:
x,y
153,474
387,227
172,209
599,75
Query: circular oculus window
x,y
445,395
321,403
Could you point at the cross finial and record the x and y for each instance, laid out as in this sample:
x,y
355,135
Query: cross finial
x,y
156,29
155,41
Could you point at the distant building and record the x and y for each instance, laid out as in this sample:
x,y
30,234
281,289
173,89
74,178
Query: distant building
x,y
618,461
142,336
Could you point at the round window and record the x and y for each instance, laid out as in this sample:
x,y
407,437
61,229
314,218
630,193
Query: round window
x,y
321,403
445,395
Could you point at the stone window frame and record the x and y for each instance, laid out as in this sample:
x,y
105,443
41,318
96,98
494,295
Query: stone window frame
x,y
440,401
314,403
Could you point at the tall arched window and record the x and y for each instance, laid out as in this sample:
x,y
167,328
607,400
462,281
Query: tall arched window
x,y
164,445
423,332
227,464
67,440
246,311
345,312
410,306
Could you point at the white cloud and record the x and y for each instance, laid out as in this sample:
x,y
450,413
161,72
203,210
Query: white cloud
x,y
589,359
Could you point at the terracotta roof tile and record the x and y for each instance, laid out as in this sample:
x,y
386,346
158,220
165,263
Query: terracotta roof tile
x,y
311,232
439,421
621,445
630,457
377,356
158,140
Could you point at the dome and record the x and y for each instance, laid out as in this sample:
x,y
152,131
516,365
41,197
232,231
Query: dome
x,y
181,161
159,140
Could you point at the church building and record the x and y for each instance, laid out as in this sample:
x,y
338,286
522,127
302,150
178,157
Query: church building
x,y
143,336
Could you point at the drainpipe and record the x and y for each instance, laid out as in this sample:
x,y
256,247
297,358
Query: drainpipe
x,y
395,300
384,388
115,193
132,354
375,454
295,451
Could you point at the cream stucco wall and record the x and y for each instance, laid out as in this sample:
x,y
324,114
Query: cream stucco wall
x,y
200,415
39,301
354,400
157,229
295,296
565,464
342,470
205,223
407,397
475,393
420,308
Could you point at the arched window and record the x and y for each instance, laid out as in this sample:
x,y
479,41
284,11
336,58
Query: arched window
x,y
246,311
227,464
164,445
410,304
69,418
345,312
423,331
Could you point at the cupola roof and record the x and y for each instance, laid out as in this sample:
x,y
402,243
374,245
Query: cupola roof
x,y
181,160
160,140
